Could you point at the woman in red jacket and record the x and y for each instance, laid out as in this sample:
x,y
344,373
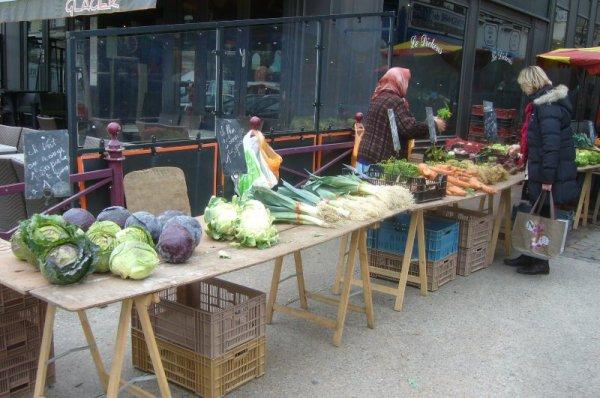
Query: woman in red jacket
x,y
376,144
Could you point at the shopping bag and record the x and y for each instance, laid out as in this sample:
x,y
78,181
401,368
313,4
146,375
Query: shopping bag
x,y
272,158
258,171
538,236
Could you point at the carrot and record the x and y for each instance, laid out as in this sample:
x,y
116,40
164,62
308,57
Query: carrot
x,y
488,189
453,190
458,182
426,171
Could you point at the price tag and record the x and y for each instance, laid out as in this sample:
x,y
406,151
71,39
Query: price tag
x,y
490,122
431,125
394,130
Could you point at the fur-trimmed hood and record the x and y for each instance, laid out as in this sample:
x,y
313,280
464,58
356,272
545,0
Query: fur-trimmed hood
x,y
552,95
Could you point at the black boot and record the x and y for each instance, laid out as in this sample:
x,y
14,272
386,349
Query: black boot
x,y
538,267
520,261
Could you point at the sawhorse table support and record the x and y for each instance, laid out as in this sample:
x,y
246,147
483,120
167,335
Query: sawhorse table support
x,y
358,246
416,230
111,382
503,216
583,206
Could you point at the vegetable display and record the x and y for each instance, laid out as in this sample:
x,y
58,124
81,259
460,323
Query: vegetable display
x,y
460,181
134,233
436,154
20,249
587,157
189,223
444,113
582,141
69,262
399,168
133,259
41,233
176,244
116,214
147,221
103,234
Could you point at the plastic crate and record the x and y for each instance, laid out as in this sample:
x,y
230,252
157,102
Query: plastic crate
x,y
424,190
20,327
438,272
12,300
209,317
18,371
441,237
204,376
474,226
472,259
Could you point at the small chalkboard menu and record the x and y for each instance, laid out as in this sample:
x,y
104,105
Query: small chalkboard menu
x,y
47,171
394,130
230,134
490,122
431,125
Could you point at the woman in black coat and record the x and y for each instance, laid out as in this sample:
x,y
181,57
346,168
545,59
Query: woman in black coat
x,y
550,150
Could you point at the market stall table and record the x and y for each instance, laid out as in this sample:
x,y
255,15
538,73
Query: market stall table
x,y
583,206
417,230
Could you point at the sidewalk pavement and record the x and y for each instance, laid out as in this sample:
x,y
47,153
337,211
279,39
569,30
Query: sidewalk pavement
x,y
495,333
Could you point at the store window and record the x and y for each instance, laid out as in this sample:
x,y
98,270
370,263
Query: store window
x,y
58,53
581,32
430,43
35,55
559,34
596,36
501,51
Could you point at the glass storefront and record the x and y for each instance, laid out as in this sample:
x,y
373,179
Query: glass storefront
x,y
596,41
35,55
581,32
559,34
430,44
501,51
58,53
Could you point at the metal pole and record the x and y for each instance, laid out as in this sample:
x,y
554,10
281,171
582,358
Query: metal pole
x,y
219,73
72,99
390,43
318,75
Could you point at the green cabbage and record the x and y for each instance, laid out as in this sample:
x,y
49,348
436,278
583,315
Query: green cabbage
x,y
134,233
69,262
42,233
255,226
221,218
133,259
103,234
20,249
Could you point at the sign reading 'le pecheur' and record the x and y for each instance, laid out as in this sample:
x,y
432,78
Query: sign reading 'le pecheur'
x,y
77,7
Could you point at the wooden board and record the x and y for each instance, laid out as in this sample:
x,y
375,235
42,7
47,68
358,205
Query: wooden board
x,y
18,275
588,168
99,290
156,190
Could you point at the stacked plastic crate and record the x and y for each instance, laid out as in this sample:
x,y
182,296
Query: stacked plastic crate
x,y
210,334
21,326
506,121
475,232
386,247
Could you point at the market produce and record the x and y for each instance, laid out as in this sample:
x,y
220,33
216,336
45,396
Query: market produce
x,y
116,214
42,233
221,218
176,243
133,259
399,168
103,234
582,141
499,148
134,233
80,217
487,173
436,154
444,113
167,215
459,181
189,223
587,157
147,221
255,226
68,262
20,249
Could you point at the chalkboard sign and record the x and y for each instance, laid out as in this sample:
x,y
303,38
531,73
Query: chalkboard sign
x,y
431,125
490,122
46,155
231,149
394,130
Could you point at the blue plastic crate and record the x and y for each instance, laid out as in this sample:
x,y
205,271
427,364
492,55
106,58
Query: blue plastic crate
x,y
441,237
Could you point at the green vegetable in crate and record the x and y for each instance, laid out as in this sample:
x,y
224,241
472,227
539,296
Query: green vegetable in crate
x,y
255,227
133,259
69,262
587,157
399,168
20,249
435,154
221,218
444,113
103,234
42,233
134,233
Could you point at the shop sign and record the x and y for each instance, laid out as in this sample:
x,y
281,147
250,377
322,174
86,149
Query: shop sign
x,y
78,7
425,41
501,55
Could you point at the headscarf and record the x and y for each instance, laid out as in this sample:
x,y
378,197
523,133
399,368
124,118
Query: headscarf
x,y
395,80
